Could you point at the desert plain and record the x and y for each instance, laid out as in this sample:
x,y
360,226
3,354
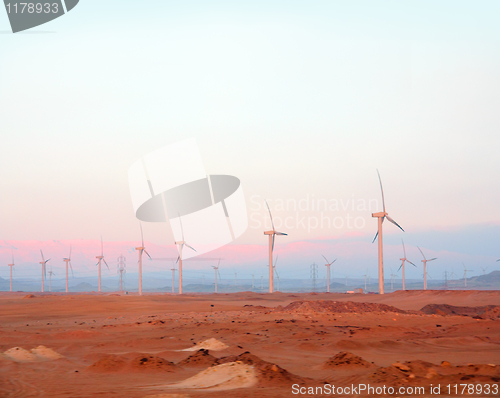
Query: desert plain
x,y
247,344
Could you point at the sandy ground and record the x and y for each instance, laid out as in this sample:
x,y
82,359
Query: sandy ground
x,y
129,346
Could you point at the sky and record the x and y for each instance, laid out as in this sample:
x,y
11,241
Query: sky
x,y
302,101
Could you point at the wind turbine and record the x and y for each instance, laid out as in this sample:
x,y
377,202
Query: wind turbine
x,y
181,245
276,271
483,268
392,279
327,265
381,217
43,264
425,267
141,249
465,274
253,278
365,275
50,279
272,235
403,264
216,270
68,261
12,266
101,258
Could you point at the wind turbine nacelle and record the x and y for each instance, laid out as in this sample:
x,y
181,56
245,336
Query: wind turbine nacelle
x,y
379,214
268,232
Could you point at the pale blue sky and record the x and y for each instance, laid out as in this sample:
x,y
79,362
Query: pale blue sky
x,y
295,98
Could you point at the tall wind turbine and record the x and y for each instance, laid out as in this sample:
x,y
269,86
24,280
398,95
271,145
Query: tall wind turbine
x,y
425,267
465,274
180,244
141,249
272,235
403,264
50,279
43,264
11,266
381,217
67,260
101,258
327,265
483,268
216,270
276,271
393,275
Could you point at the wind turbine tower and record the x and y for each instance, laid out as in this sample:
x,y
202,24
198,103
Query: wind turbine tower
x,y
43,264
276,271
101,258
67,260
50,279
327,265
465,274
425,267
403,264
216,270
141,249
272,234
381,217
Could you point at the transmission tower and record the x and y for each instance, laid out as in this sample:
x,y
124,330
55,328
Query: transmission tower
x,y
121,269
314,274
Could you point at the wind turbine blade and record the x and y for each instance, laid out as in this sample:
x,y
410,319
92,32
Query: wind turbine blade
x,y
272,246
105,263
333,261
281,233
395,223
47,261
411,263
218,263
382,190
421,252
178,258
374,239
400,267
498,260
70,252
42,255
432,259
270,215
328,262
102,248
220,277
276,261
72,274
190,247
96,264
148,254
404,250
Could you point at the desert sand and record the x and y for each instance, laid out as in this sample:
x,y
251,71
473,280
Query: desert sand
x,y
244,344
